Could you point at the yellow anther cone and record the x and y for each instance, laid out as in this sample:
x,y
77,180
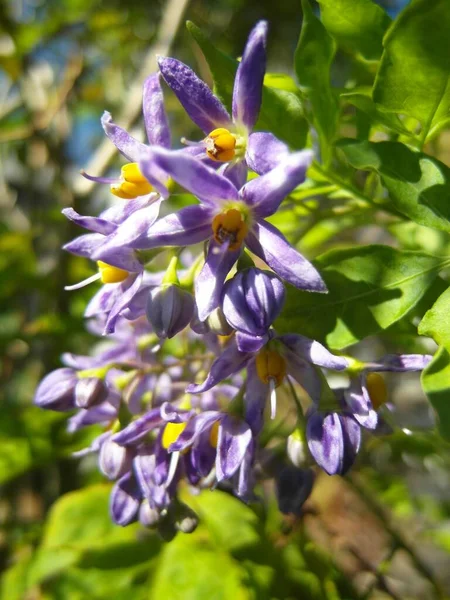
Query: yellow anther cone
x,y
110,274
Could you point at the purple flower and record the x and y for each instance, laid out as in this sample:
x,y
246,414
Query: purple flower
x,y
169,309
367,391
230,139
251,301
229,218
123,275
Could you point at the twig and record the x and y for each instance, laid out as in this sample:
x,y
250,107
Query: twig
x,y
132,107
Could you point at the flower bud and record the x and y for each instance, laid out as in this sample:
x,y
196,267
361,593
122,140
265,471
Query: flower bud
x,y
252,300
90,391
169,309
125,500
114,460
293,488
296,448
218,323
186,519
149,517
56,390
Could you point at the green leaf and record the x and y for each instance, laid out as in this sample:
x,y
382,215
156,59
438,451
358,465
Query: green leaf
x,y
419,185
413,78
436,385
370,288
436,322
362,99
357,25
281,110
313,57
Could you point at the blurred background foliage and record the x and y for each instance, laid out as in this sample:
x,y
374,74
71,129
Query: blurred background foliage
x,y
383,532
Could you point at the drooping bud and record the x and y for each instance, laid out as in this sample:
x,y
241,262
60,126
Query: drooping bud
x,y
131,183
220,145
252,300
56,390
293,488
186,519
169,309
148,516
90,391
230,226
124,500
110,274
114,460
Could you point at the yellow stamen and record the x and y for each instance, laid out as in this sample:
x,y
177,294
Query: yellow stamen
x,y
270,365
171,433
376,387
110,274
220,145
132,183
230,226
214,434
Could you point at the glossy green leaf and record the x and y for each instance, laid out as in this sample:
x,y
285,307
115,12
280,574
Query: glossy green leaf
x,y
281,110
370,288
357,25
313,57
362,99
436,322
413,78
419,185
436,385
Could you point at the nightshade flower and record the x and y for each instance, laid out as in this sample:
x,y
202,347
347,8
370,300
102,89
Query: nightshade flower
x,y
367,391
229,218
123,276
230,139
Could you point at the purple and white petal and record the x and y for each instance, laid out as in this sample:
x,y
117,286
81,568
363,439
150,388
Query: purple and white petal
x,y
264,152
94,224
247,91
155,118
400,363
234,438
228,363
236,172
85,245
305,374
313,351
102,302
122,209
122,140
124,501
210,280
56,390
352,441
255,399
326,441
139,428
250,343
196,177
357,399
198,101
272,247
265,194
129,288
196,427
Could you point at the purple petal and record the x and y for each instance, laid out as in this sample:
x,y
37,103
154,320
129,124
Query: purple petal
x,y
326,441
144,466
56,390
304,374
123,209
228,363
195,427
400,363
162,462
105,413
122,140
313,351
125,500
264,152
266,193
358,401
169,310
128,234
235,172
248,83
139,428
273,248
244,490
103,300
133,283
250,343
199,179
256,393
352,441
114,460
85,245
94,224
234,438
156,125
210,280
198,101
203,455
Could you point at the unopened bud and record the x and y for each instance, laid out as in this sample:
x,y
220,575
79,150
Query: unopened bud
x,y
186,519
115,460
169,309
293,488
148,516
90,391
296,448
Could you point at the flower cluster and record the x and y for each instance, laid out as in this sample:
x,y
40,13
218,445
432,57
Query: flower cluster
x,y
194,409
